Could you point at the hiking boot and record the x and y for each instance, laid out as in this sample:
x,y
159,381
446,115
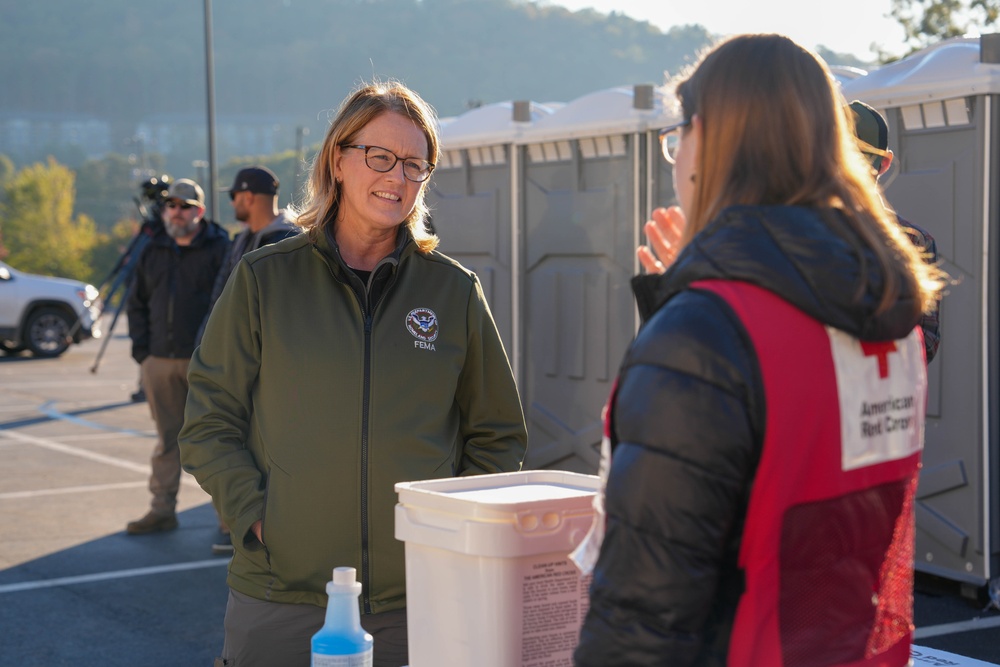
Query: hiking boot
x,y
223,545
151,523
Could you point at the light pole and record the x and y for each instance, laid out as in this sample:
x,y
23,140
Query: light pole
x,y
300,132
213,205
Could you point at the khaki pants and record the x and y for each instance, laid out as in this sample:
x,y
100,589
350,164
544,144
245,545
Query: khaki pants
x,y
166,386
264,634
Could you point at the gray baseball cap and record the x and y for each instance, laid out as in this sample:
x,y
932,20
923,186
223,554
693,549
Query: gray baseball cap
x,y
187,191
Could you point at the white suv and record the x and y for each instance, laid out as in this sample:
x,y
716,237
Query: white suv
x,y
45,315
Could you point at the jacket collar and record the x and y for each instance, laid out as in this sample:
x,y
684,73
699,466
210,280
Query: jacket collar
x,y
330,249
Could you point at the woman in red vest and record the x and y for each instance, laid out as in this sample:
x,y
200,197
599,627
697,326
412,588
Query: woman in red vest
x,y
767,423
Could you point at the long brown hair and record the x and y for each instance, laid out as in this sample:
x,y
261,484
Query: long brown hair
x,y
774,131
360,108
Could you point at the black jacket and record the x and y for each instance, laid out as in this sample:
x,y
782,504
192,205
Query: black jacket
x,y
171,291
688,423
246,241
930,322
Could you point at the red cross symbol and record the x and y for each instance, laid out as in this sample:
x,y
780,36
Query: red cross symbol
x,y
880,350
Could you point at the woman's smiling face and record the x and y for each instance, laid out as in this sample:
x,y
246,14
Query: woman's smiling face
x,y
372,201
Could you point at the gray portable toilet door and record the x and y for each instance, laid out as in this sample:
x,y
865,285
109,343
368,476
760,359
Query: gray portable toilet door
x,y
470,202
946,152
579,235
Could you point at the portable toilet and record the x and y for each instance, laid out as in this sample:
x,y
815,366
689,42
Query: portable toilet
x,y
584,178
471,199
942,105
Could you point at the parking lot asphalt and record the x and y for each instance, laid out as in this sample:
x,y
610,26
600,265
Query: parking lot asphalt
x,y
76,590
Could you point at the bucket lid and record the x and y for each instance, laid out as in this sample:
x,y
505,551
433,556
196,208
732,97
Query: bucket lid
x,y
500,493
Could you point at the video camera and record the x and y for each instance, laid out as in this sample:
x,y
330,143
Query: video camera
x,y
152,199
154,192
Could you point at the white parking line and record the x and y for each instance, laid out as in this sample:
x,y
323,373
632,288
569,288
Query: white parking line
x,y
977,623
25,385
103,436
186,479
75,451
107,576
72,489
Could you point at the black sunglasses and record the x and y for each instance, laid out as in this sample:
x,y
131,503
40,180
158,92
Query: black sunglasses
x,y
183,206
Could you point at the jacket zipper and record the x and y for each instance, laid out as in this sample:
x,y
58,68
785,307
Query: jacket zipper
x,y
365,572
171,300
369,314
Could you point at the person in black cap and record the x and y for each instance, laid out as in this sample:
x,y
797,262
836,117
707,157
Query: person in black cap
x,y
254,195
873,139
255,201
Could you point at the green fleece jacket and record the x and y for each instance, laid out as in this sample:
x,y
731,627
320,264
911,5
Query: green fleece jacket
x,y
306,406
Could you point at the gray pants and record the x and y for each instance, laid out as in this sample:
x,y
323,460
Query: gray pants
x,y
265,634
165,382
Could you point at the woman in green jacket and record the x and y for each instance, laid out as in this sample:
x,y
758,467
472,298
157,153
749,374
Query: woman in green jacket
x,y
334,365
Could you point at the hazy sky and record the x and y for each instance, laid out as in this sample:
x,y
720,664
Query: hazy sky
x,y
845,26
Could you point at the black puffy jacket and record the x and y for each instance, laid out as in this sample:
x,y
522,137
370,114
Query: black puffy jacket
x,y
688,423
171,292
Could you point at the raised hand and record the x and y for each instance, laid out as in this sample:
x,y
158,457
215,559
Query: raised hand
x,y
664,232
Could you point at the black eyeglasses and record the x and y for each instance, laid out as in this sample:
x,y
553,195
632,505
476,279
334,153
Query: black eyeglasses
x,y
183,206
382,160
670,139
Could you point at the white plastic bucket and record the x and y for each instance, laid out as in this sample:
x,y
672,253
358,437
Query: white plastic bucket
x,y
488,578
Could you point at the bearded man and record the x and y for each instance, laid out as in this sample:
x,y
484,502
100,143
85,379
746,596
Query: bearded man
x,y
169,298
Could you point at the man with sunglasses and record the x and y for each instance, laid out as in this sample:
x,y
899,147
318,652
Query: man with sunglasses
x,y
167,302
254,196
872,133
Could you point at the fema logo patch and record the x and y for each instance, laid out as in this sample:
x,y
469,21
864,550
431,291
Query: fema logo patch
x,y
423,324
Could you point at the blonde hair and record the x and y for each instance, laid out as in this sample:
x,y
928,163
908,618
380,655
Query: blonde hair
x,y
366,103
774,131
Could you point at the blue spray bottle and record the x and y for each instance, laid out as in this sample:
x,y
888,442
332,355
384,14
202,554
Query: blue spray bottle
x,y
342,642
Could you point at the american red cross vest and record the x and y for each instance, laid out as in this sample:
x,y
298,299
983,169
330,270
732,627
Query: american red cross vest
x,y
828,542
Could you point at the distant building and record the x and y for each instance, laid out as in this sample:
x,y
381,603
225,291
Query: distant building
x,y
181,137
29,135
235,134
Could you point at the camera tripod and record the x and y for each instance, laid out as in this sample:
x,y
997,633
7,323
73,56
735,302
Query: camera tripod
x,y
119,279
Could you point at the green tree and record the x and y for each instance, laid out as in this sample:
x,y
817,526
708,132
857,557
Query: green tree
x,y
926,22
38,231
6,170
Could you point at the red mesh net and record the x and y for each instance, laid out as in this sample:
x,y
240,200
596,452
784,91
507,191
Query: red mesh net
x,y
894,613
846,589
